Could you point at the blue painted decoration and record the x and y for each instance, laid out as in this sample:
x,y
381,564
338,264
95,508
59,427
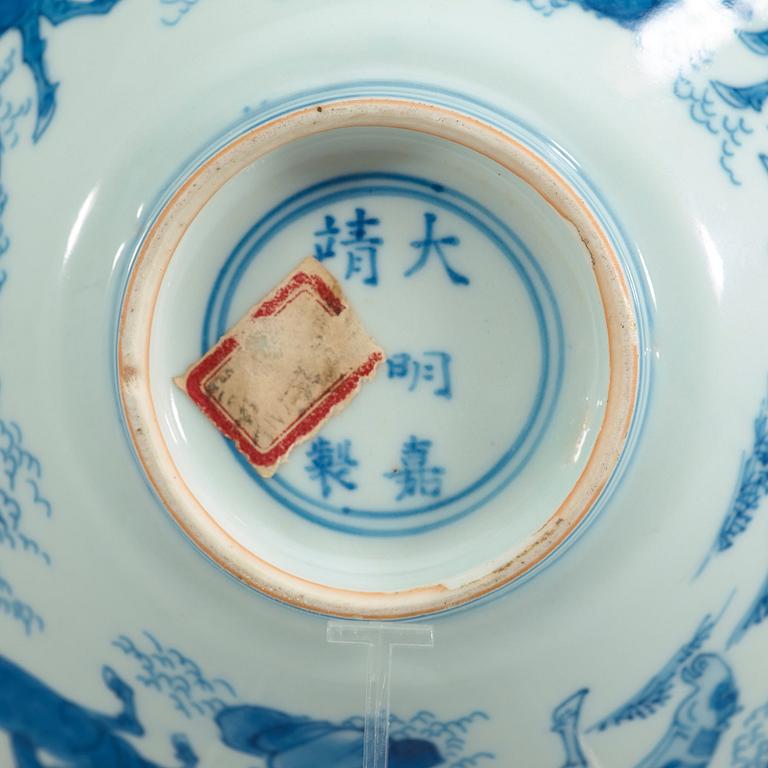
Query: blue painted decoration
x,y
473,761
23,509
170,672
325,247
449,736
432,367
565,722
286,741
362,247
174,11
700,719
331,464
10,114
23,505
751,487
750,747
757,42
756,614
695,730
415,477
711,103
747,97
291,741
18,610
628,13
39,720
704,109
658,690
431,243
24,16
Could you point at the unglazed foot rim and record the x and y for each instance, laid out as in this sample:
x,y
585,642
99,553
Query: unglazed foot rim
x,y
157,249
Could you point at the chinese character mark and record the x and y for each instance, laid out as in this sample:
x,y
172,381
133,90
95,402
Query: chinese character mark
x,y
362,248
329,466
326,248
434,367
415,477
430,244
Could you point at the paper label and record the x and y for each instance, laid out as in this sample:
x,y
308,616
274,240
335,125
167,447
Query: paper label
x,y
279,374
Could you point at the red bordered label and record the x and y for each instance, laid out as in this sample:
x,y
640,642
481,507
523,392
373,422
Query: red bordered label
x,y
292,361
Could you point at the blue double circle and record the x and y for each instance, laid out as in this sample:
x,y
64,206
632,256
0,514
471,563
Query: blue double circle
x,y
442,511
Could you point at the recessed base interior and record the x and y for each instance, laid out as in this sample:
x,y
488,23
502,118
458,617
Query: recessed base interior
x,y
497,311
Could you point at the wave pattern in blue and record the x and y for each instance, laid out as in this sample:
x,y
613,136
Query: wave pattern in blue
x,y
750,747
299,741
706,110
23,505
173,674
18,610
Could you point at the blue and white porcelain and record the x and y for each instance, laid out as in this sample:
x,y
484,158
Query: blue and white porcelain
x,y
538,536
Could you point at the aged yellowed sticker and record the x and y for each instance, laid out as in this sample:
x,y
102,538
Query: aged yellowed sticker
x,y
280,373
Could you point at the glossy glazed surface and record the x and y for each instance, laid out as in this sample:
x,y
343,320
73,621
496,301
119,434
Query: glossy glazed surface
x,y
642,644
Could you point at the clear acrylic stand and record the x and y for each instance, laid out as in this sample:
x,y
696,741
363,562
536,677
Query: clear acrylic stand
x,y
380,639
